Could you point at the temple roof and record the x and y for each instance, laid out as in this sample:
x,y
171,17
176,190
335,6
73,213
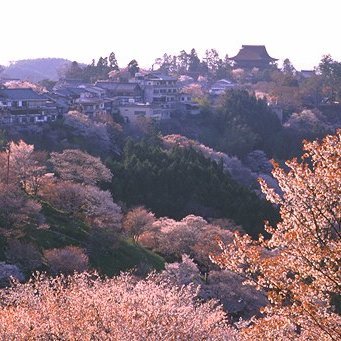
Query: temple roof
x,y
252,52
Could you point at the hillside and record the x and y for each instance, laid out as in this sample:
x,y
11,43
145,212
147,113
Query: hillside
x,y
35,70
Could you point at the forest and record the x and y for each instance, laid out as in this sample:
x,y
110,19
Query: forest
x,y
220,226
58,216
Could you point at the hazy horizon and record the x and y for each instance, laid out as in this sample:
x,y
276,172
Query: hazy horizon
x,y
302,31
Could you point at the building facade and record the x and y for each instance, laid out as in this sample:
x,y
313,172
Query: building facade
x,y
25,106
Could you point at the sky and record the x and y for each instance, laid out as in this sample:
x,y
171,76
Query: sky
x,y
301,30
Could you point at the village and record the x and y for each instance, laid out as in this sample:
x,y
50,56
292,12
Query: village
x,y
153,94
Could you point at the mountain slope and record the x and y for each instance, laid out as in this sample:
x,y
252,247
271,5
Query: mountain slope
x,y
35,70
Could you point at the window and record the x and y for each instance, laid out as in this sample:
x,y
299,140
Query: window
x,y
137,112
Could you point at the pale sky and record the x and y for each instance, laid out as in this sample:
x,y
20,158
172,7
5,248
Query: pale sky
x,y
301,30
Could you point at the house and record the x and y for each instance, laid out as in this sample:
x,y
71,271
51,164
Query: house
x,y
87,98
22,106
71,94
132,112
221,86
253,56
67,83
160,89
187,105
121,92
90,104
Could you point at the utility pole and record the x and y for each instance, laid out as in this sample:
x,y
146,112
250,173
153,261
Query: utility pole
x,y
8,152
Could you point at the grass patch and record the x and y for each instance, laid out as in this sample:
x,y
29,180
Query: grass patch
x,y
127,256
63,230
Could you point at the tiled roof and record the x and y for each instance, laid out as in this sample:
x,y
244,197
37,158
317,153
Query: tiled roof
x,y
71,92
161,76
20,94
115,86
253,52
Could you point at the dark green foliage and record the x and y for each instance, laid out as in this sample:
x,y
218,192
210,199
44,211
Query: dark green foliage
x,y
244,122
62,230
3,139
133,67
238,124
126,255
331,73
2,248
93,71
181,181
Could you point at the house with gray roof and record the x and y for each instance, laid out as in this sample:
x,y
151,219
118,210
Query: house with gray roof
x,y
121,92
25,106
220,86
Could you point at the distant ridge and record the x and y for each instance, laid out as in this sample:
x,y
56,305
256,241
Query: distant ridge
x,y
35,70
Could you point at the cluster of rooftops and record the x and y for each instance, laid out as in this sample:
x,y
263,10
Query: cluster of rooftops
x,y
152,94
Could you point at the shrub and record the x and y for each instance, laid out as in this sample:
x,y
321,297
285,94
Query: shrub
x,y
66,260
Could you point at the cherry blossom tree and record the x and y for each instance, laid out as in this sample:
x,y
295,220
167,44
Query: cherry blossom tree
x,y
192,235
137,221
66,260
75,165
85,202
299,266
85,307
16,209
94,135
22,165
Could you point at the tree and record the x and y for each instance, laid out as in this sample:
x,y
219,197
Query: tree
x,y
311,122
113,62
3,139
311,90
8,272
75,165
224,68
331,72
240,301
288,68
133,67
192,235
194,62
137,221
93,136
245,123
74,71
25,255
183,62
86,307
88,203
167,63
16,209
178,181
66,260
24,166
212,61
299,266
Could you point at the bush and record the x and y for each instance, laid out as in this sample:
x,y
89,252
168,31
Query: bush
x,y
26,255
66,260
